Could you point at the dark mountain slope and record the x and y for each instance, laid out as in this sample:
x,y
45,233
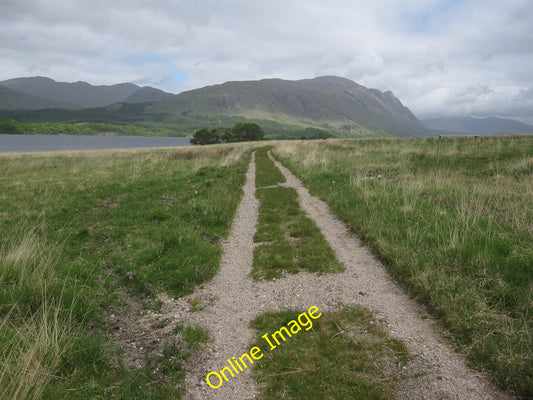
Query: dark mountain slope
x,y
147,94
327,102
79,94
11,99
335,104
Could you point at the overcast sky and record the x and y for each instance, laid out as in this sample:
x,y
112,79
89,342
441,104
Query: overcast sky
x,y
467,57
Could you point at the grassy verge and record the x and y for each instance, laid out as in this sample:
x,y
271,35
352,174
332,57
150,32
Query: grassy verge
x,y
75,229
288,240
345,355
459,233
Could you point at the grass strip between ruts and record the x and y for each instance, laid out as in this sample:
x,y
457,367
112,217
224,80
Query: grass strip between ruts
x,y
266,172
345,355
288,240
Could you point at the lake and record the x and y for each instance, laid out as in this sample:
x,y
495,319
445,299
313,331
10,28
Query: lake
x,y
24,143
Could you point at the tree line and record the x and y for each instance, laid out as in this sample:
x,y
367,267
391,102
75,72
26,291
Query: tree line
x,y
8,125
241,132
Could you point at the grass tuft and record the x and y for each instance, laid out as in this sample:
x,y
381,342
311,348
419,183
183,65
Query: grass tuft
x,y
195,336
32,349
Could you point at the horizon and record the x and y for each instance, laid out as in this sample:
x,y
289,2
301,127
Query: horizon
x,y
439,57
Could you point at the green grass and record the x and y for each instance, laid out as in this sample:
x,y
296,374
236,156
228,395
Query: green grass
x,y
193,335
345,355
266,172
459,234
82,128
76,227
288,241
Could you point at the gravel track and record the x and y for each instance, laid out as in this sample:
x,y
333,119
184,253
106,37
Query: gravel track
x,y
232,299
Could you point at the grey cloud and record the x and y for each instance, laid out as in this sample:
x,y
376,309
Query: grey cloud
x,y
438,56
525,94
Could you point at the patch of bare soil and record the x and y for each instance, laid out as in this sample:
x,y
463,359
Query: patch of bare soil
x,y
227,304
140,335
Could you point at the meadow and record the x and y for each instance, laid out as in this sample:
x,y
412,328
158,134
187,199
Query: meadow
x,y
81,231
76,229
455,228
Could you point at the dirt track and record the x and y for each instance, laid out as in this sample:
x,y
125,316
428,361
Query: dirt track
x,y
232,299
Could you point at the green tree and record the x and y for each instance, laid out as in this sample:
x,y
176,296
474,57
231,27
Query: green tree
x,y
241,132
246,132
205,136
225,134
8,125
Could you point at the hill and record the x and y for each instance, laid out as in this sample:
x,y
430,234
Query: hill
x,y
283,108
476,126
13,100
147,94
79,94
332,103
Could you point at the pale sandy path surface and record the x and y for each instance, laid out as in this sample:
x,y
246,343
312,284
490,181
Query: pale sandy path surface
x,y
232,299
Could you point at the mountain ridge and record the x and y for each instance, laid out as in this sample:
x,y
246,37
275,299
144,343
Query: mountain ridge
x,y
13,99
147,94
78,94
328,102
331,103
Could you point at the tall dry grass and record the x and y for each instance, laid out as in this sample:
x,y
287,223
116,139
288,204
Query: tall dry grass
x,y
34,331
31,355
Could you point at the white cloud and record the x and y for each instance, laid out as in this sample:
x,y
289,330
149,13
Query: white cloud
x,y
438,56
